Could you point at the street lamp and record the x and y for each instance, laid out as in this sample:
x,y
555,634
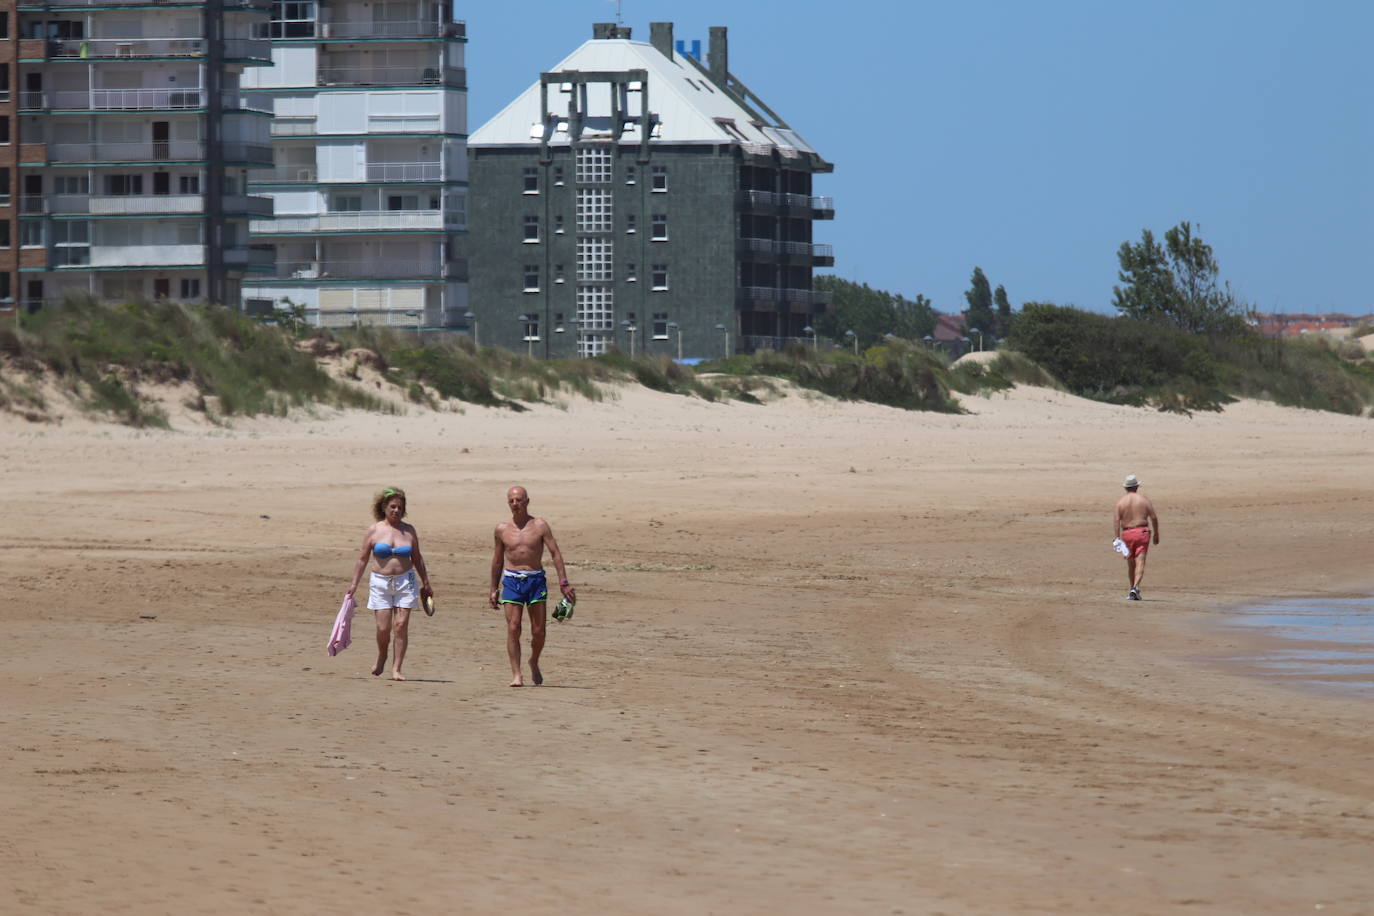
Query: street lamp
x,y
674,326
472,320
854,338
811,331
525,321
929,341
726,331
965,341
980,337
628,325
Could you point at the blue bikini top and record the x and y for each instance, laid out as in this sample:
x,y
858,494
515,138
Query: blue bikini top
x,y
383,551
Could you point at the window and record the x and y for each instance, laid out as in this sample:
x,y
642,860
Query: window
x,y
5,33
658,277
404,202
593,165
4,187
532,180
593,211
558,176
190,288
71,232
4,235
123,185
660,325
293,19
558,273
631,273
594,259
658,228
6,293
162,183
348,203
531,229
594,304
630,223
31,233
558,224
189,234
629,174
531,274
660,179
188,184
71,184
728,125
531,327
4,83
4,126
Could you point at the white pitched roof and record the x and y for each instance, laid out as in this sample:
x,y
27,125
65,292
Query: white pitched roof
x,y
687,107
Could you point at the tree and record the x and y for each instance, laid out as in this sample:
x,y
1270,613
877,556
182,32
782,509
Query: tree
x,y
1175,284
871,313
980,314
1004,313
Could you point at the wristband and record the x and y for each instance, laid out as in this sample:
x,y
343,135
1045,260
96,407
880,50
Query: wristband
x,y
563,582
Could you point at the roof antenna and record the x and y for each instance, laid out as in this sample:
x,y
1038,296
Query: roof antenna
x,y
619,17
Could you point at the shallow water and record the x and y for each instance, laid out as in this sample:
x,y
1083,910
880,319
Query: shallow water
x,y
1320,643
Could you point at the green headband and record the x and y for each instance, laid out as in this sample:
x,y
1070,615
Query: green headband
x,y
390,492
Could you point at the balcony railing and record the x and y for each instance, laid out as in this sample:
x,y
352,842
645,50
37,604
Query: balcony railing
x,y
398,29
124,99
261,5
285,174
353,221
404,171
248,257
392,76
773,246
283,126
362,270
772,294
155,151
124,48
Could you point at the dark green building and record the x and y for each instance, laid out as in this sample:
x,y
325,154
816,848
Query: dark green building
x,y
636,197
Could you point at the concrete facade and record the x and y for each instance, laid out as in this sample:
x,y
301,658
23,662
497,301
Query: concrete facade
x,y
636,198
369,164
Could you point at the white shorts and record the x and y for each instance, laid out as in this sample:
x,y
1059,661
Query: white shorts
x,y
400,590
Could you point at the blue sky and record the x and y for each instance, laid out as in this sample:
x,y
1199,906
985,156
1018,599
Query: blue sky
x,y
1032,139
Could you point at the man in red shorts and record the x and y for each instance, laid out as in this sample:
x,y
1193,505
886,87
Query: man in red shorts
x,y
1135,516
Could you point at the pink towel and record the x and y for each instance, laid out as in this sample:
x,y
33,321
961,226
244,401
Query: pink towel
x,y
343,625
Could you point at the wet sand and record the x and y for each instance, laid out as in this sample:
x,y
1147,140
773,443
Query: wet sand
x,y
827,658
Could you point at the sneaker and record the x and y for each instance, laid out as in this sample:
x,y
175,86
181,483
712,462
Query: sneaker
x,y
1134,594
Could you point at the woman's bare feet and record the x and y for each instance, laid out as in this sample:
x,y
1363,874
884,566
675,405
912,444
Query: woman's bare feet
x,y
538,676
397,676
518,682
378,668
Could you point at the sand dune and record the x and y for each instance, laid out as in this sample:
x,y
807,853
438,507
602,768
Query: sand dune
x,y
827,658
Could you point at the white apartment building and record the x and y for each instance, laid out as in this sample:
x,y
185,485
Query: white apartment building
x,y
134,146
369,163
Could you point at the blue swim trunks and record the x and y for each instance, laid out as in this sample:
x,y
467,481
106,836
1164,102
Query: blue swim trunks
x,y
524,586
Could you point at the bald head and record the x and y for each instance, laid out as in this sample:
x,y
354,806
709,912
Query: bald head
x,y
518,499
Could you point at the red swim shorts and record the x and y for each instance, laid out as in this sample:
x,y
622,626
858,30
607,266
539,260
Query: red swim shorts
x,y
1138,539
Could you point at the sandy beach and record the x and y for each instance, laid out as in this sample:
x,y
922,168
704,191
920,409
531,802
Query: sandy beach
x,y
827,658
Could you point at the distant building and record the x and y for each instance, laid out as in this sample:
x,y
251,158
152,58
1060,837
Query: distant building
x,y
1292,324
125,147
369,165
635,197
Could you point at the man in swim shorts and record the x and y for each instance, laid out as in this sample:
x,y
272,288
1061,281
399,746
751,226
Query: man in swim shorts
x,y
1135,515
518,581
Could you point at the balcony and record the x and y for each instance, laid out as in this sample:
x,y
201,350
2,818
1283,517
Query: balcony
x,y
786,204
365,270
147,255
293,126
456,77
792,300
259,5
401,30
143,48
143,204
788,252
253,259
154,151
405,171
285,174
353,221
123,99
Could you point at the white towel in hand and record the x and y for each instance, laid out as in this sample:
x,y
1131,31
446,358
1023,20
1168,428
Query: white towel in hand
x,y
1120,547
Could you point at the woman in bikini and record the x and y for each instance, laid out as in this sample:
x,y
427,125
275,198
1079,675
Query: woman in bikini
x,y
393,590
